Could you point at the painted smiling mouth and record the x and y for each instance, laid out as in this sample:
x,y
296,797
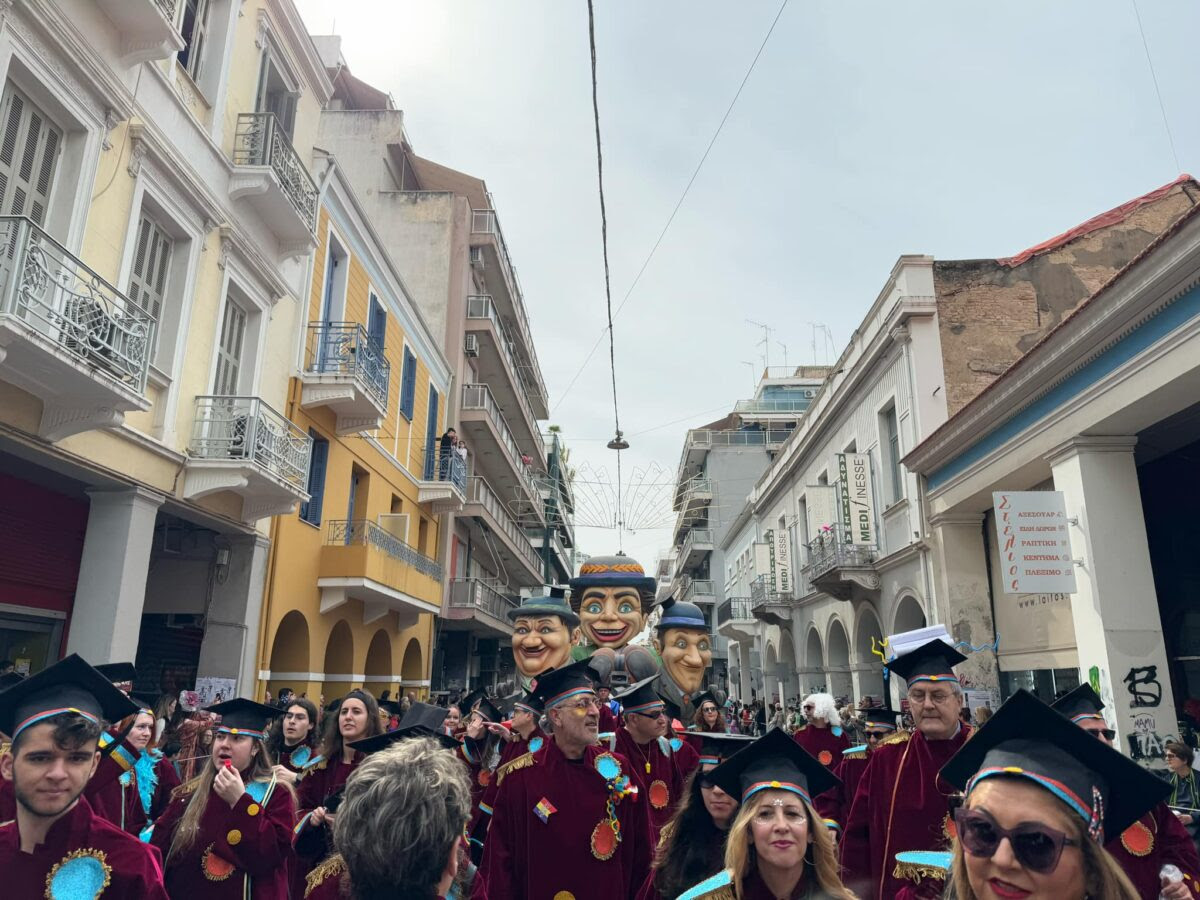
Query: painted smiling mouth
x,y
527,651
609,634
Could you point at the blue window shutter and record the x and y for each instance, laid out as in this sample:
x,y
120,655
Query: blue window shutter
x,y
311,511
408,384
431,435
376,322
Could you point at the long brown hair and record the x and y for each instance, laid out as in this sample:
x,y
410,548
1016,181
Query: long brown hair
x,y
701,725
740,854
685,843
331,739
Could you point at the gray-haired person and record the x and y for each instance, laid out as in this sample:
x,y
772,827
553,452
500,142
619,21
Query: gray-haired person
x,y
399,826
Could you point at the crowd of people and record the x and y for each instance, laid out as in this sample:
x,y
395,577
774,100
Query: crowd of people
x,y
579,789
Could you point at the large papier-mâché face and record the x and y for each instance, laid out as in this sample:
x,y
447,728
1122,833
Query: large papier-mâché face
x,y
611,616
540,642
686,654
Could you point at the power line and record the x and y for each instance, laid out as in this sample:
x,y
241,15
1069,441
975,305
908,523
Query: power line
x,y
1157,90
682,197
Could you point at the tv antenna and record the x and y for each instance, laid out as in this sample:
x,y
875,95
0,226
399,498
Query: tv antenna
x,y
765,342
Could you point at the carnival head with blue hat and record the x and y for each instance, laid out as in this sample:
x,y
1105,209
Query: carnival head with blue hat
x,y
934,694
613,596
1040,797
684,642
543,627
777,828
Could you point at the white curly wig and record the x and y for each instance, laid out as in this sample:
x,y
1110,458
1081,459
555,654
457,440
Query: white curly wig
x,y
824,707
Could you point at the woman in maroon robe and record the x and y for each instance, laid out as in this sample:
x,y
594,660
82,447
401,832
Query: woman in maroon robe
x,y
227,833
145,788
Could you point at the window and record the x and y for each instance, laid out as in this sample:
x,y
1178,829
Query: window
x,y
275,94
376,322
891,449
29,148
229,350
194,28
318,461
151,258
408,384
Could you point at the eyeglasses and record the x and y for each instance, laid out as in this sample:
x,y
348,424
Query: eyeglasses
x,y
585,703
290,717
1037,847
1108,733
652,715
708,708
938,697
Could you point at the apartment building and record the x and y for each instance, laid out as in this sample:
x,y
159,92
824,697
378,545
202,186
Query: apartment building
x,y
443,230
159,199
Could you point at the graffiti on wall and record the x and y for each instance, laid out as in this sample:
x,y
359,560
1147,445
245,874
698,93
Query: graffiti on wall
x,y
1144,689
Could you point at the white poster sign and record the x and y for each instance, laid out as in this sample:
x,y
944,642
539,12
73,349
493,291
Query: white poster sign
x,y
820,504
1035,548
857,498
215,690
762,560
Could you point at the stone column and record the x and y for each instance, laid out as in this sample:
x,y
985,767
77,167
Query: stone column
x,y
744,681
1118,632
964,597
231,627
107,614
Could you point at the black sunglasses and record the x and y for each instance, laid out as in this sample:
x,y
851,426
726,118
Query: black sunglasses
x,y
1036,847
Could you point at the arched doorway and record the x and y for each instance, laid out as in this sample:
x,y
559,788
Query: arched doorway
x,y
289,654
412,668
814,677
909,615
840,682
339,661
869,666
379,664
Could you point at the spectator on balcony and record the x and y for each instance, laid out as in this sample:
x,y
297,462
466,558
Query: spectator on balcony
x,y
445,447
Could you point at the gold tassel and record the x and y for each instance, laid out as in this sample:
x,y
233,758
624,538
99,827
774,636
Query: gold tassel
x,y
333,865
524,761
916,871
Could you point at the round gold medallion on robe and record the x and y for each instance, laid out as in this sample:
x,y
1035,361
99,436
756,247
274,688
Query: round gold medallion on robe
x,y
1138,839
604,840
564,895
660,795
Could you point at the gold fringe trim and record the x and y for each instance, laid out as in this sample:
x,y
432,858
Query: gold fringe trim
x,y
97,855
898,738
524,761
862,755
915,872
333,866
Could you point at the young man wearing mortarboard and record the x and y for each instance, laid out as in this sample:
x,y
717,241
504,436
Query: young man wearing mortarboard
x,y
901,804
567,819
525,711
56,846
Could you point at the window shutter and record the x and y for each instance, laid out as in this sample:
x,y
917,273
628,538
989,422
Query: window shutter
x,y
376,322
408,384
148,278
229,351
311,511
29,148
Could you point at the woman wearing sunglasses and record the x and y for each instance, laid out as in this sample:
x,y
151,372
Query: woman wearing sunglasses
x,y
1040,795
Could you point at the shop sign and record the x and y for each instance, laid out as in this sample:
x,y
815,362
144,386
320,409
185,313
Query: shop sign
x,y
857,498
1035,547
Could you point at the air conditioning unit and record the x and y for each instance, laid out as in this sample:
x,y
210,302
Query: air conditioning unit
x,y
477,257
395,524
471,345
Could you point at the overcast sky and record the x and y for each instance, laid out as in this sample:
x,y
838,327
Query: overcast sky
x,y
867,130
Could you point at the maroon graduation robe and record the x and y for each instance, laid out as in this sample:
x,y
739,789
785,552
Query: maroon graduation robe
x,y
834,804
526,858
824,744
1152,842
687,757
900,804
246,844
482,812
314,843
656,773
297,759
136,813
134,868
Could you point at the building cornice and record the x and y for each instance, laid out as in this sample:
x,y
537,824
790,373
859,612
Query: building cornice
x,y
286,17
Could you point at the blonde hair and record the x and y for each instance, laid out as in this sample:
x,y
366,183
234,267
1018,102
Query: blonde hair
x,y
740,855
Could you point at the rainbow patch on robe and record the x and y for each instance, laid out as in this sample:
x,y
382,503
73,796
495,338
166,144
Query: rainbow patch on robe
x,y
544,810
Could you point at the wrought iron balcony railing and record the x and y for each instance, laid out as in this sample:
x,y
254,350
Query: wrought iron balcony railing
x,y
246,428
363,532
827,552
345,348
261,141
54,294
474,593
168,8
450,467
735,609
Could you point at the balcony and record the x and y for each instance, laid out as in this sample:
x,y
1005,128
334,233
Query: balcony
x,y
67,336
500,366
241,444
494,528
347,372
561,559
697,545
146,28
836,566
475,605
700,591
444,486
735,620
692,501
363,561
496,451
770,606
271,176
789,408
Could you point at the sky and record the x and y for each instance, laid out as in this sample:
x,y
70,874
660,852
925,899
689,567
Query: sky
x,y
867,130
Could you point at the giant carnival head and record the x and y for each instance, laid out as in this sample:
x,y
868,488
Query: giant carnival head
x,y
543,631
613,596
684,643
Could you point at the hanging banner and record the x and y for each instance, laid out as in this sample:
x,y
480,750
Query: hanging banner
x,y
1035,548
857,498
762,560
782,571
821,508
769,537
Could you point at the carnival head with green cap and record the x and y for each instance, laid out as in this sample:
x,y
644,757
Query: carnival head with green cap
x,y
543,631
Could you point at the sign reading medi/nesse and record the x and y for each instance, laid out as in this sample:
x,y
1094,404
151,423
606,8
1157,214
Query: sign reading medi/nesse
x,y
1035,548
857,498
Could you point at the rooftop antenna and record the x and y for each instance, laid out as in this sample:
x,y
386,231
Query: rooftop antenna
x,y
814,326
766,341
785,362
753,382
829,342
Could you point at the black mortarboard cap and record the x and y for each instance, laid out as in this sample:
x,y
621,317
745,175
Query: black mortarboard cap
x,y
530,701
640,696
242,716
674,710
144,699
879,717
467,703
391,707
488,709
9,679
774,761
932,661
1027,739
1081,703
552,603
421,720
118,672
699,700
717,746
557,684
70,684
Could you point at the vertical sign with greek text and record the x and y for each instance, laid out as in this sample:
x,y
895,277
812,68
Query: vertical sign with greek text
x,y
857,498
1035,548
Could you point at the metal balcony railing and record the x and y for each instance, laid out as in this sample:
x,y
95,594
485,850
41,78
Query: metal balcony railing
x,y
479,396
474,593
829,551
480,306
53,293
168,8
450,467
773,406
246,428
761,593
261,141
696,536
735,609
364,532
701,588
479,492
345,348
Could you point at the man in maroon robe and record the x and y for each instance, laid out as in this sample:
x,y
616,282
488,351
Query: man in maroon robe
x,y
568,819
822,736
643,741
834,805
526,737
901,802
56,846
1154,840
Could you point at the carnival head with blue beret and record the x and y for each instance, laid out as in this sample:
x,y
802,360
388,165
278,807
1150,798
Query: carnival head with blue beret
x,y
613,596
